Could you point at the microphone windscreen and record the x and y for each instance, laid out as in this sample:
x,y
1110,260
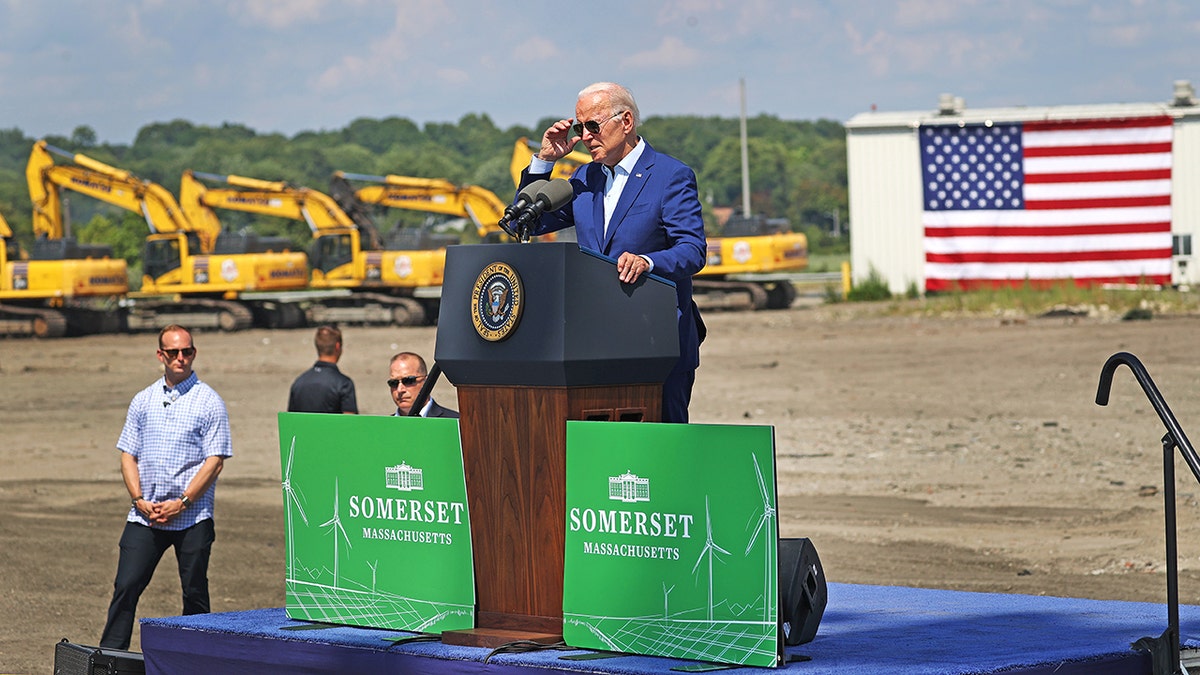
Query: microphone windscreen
x,y
556,194
529,192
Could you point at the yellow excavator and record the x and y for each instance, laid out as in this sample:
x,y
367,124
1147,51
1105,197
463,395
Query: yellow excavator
x,y
430,195
192,272
387,285
750,263
63,287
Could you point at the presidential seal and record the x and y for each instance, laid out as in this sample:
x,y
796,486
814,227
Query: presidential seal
x,y
496,302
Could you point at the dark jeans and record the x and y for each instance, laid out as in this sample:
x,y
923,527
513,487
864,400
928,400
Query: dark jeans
x,y
141,549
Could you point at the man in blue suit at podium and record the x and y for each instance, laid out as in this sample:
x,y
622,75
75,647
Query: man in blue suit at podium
x,y
633,204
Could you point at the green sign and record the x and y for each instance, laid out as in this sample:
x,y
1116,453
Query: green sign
x,y
376,516
671,541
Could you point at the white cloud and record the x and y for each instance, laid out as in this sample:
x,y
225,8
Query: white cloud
x,y
453,76
536,49
278,14
348,70
671,53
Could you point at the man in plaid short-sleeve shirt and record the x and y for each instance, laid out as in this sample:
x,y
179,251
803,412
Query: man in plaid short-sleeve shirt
x,y
173,447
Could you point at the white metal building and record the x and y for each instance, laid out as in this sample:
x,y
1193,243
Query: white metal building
x,y
884,160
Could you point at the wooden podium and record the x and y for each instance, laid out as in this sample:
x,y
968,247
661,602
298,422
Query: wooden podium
x,y
584,346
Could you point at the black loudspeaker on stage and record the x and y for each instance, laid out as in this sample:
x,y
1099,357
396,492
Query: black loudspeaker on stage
x,y
802,591
75,659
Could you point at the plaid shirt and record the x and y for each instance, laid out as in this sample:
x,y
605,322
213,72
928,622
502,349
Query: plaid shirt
x,y
171,432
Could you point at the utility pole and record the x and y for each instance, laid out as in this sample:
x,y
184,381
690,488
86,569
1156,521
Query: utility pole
x,y
836,217
745,154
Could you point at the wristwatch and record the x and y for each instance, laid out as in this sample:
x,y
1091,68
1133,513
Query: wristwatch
x,y
185,501
136,499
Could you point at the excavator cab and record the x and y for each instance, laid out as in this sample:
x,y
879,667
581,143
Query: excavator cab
x,y
12,249
160,256
739,225
162,253
328,252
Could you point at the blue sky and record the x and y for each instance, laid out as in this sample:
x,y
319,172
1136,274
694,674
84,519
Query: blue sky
x,y
293,65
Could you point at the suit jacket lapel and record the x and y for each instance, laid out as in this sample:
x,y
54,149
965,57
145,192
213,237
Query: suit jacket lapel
x,y
596,181
633,187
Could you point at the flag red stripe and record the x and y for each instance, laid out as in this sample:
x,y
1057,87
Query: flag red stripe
x,y
1099,176
1083,125
1046,257
1087,150
1046,230
1096,203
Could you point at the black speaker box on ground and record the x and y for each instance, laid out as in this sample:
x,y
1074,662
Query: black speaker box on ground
x,y
802,591
73,659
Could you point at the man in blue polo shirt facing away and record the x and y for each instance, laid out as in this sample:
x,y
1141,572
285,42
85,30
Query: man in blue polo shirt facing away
x,y
173,447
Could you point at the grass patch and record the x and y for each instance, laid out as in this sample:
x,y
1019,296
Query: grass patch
x,y
826,262
1066,298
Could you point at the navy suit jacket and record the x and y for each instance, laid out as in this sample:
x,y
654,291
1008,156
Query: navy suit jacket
x,y
435,410
658,216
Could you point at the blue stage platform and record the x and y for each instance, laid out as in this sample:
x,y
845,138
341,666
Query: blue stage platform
x,y
865,629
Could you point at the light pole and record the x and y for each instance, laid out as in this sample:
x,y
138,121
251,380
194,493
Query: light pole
x,y
835,216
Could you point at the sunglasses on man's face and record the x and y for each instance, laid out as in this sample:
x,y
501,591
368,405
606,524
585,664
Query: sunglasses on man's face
x,y
188,352
407,380
592,126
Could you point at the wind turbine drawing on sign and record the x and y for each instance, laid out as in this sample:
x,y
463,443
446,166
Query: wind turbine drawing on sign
x,y
336,523
764,521
373,566
291,498
709,547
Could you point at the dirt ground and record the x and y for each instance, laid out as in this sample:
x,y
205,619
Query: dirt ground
x,y
958,453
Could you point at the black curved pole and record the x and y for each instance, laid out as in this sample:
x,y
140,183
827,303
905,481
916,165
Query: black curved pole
x,y
1156,400
431,379
1164,650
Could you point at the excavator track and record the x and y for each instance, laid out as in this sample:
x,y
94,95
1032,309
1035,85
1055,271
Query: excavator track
x,y
32,321
780,294
729,295
195,313
369,309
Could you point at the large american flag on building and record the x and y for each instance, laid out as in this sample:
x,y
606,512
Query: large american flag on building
x,y
1043,202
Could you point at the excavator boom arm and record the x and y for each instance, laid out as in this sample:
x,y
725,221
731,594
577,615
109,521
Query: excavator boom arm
x,y
268,198
100,181
433,195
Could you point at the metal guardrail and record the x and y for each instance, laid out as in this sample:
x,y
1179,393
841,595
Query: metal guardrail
x,y
794,277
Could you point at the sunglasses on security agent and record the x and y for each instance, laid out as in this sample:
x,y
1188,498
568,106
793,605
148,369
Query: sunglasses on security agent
x,y
407,380
188,352
592,126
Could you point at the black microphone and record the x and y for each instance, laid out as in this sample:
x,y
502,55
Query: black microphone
x,y
524,199
552,197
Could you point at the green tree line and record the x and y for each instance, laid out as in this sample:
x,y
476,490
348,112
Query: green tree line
x,y
797,168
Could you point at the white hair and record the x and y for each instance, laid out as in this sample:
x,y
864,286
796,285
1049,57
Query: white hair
x,y
619,98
